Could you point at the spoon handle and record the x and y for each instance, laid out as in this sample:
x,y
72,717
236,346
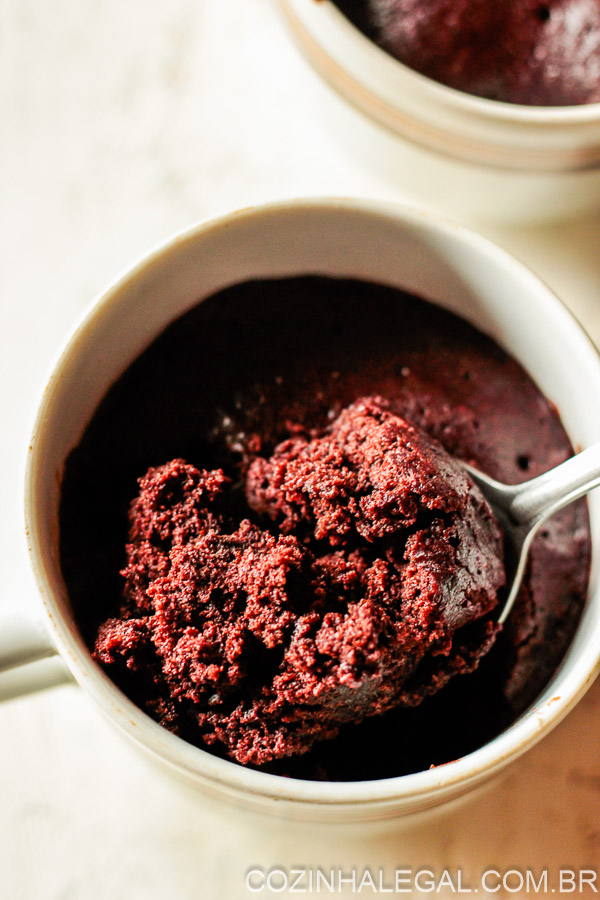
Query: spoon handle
x,y
539,498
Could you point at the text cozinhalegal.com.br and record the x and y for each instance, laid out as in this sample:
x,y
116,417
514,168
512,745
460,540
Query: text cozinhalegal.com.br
x,y
369,881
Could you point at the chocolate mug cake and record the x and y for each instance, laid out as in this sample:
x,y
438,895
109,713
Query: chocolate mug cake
x,y
515,51
270,549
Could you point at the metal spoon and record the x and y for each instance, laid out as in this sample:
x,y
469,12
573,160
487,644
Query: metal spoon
x,y
521,508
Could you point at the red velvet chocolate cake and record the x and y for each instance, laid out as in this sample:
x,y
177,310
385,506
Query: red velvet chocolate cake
x,y
382,551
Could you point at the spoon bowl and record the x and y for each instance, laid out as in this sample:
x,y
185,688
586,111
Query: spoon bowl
x,y
521,508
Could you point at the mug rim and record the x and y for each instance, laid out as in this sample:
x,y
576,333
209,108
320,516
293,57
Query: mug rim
x,y
465,772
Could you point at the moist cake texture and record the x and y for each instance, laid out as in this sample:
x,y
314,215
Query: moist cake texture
x,y
381,552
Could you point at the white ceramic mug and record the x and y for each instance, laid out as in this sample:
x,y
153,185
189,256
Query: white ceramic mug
x,y
468,155
402,247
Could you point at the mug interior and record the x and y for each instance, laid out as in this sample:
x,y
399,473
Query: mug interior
x,y
407,249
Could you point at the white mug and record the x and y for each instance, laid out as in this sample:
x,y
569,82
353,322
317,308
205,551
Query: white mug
x,y
475,157
406,248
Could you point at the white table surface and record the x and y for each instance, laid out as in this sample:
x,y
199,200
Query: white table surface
x,y
121,123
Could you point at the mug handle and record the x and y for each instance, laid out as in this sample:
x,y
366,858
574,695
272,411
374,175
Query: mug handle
x,y
29,661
